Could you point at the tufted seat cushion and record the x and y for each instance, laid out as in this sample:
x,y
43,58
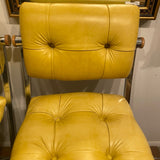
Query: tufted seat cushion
x,y
80,126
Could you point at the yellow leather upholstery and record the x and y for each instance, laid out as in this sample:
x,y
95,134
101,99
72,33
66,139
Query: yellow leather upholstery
x,y
83,1
2,106
71,42
80,126
74,42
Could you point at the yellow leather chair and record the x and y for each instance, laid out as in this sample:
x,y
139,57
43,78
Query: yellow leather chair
x,y
79,42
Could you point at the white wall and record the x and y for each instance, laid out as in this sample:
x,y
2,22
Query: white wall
x,y
145,92
146,85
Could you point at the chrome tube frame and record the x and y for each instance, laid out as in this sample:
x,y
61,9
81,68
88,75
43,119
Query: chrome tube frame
x,y
128,81
5,41
17,42
26,81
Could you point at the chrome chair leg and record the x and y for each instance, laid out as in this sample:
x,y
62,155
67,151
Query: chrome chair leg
x,y
6,41
128,80
17,42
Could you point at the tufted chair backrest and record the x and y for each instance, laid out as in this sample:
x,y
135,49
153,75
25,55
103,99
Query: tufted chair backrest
x,y
78,41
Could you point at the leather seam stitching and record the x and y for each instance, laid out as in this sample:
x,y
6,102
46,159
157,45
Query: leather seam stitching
x,y
49,40
54,136
53,71
52,63
59,103
55,124
84,50
107,40
46,147
40,113
64,49
79,49
122,50
109,138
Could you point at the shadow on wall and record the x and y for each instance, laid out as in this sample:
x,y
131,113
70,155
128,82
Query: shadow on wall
x,y
42,87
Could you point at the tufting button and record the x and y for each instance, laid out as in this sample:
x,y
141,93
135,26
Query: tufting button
x,y
51,45
55,157
109,157
107,45
102,118
57,119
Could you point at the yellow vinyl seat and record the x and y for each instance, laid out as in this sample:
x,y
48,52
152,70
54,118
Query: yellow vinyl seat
x,y
78,126
79,42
